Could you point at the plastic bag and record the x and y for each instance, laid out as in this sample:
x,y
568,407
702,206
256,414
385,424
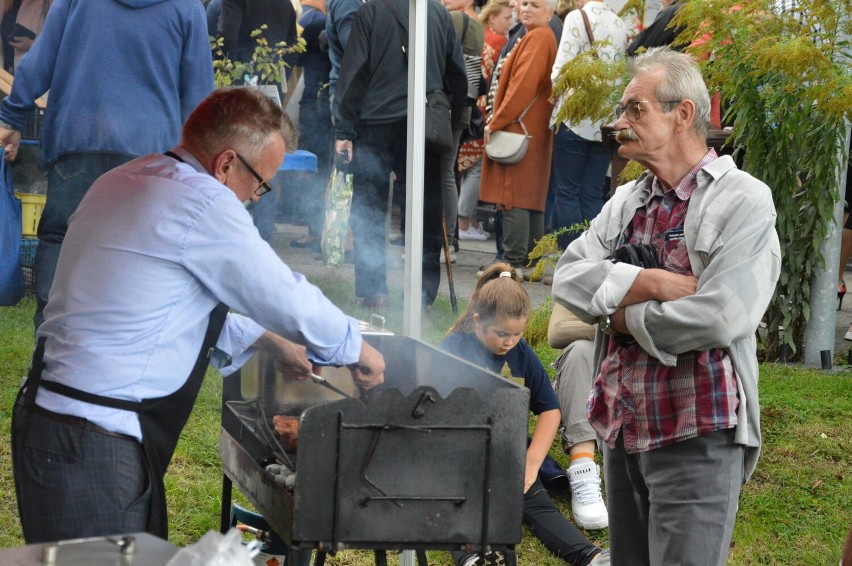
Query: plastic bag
x,y
214,549
12,286
338,201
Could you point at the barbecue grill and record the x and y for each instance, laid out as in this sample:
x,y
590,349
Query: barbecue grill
x,y
424,461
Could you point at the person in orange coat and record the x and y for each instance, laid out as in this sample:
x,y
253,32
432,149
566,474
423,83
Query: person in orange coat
x,y
521,80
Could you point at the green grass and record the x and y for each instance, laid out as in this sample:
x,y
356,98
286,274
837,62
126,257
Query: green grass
x,y
796,510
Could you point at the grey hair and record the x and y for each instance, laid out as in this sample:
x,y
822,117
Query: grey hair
x,y
238,118
682,80
552,4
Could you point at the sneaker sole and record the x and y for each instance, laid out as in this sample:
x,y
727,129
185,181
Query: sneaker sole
x,y
592,525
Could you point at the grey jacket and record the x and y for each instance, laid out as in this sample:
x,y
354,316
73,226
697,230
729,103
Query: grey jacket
x,y
733,250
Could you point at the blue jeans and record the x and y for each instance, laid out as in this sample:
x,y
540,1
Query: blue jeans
x,y
578,173
68,181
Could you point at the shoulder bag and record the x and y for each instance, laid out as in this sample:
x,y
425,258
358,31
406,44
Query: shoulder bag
x,y
508,147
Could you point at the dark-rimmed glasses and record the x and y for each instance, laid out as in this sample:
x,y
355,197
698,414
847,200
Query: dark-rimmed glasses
x,y
264,186
633,110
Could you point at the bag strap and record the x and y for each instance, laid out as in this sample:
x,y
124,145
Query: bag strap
x,y
403,31
588,30
520,119
465,25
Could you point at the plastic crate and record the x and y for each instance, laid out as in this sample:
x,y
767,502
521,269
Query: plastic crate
x,y
28,252
31,208
32,128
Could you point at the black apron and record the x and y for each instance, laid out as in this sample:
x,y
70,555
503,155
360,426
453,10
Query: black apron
x,y
161,419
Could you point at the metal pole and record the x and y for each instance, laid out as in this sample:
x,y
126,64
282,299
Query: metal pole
x,y
821,328
413,273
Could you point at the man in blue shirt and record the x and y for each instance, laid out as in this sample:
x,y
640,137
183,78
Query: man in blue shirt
x,y
123,75
153,248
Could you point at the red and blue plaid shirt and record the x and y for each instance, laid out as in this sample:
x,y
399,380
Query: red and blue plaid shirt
x,y
653,404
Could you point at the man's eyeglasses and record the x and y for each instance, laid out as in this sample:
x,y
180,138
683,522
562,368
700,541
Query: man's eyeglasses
x,y
633,109
264,186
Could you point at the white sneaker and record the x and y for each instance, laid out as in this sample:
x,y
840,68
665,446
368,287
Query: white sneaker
x,y
472,234
452,257
479,228
586,501
848,335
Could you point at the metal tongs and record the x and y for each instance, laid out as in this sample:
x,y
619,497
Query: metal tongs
x,y
325,383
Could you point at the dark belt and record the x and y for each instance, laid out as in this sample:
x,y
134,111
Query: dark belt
x,y
80,422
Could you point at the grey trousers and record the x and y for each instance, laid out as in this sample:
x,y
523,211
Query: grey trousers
x,y
575,375
449,187
73,482
676,504
521,229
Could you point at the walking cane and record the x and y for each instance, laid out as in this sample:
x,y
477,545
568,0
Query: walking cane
x,y
453,302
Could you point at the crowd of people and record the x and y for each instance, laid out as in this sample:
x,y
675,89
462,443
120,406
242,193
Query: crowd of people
x,y
153,170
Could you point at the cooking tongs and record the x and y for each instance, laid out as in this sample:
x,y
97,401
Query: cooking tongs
x,y
325,383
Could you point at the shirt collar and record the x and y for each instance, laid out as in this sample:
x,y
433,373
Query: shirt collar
x,y
689,183
189,159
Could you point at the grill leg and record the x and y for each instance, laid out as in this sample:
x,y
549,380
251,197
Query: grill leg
x,y
320,558
225,513
381,558
421,558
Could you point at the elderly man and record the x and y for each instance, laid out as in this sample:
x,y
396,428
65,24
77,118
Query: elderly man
x,y
153,248
675,400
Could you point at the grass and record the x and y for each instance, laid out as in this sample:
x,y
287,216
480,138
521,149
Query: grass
x,y
796,510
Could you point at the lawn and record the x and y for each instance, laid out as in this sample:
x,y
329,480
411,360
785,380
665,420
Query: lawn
x,y
796,510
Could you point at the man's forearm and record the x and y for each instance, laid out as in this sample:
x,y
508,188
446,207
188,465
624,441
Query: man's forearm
x,y
659,285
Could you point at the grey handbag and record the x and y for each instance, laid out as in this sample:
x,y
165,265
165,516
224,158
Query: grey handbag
x,y
508,147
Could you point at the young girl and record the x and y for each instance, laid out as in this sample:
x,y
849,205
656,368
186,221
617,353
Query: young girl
x,y
489,334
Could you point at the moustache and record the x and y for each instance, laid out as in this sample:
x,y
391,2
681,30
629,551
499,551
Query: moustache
x,y
626,135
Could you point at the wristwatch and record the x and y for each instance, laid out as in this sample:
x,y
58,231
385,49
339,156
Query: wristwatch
x,y
604,324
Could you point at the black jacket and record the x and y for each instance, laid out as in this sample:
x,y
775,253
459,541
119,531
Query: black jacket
x,y
373,84
658,33
240,18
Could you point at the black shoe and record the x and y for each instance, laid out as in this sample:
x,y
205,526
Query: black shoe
x,y
309,244
378,301
491,558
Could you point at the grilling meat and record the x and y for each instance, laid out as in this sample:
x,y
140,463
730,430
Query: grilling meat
x,y
288,429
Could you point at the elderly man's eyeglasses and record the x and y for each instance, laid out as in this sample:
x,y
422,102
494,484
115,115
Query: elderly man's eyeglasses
x,y
264,186
633,109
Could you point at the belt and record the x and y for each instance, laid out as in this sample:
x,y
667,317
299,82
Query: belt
x,y
80,422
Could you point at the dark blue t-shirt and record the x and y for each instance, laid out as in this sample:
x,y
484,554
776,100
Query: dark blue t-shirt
x,y
522,362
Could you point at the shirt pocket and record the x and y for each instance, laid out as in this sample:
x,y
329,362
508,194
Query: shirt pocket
x,y
676,256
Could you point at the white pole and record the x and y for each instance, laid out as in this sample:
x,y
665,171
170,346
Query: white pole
x,y
413,274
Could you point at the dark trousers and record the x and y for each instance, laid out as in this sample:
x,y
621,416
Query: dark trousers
x,y
316,136
577,175
553,529
73,481
378,150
